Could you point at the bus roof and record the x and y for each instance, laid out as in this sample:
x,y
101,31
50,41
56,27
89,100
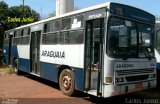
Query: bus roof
x,y
107,4
65,15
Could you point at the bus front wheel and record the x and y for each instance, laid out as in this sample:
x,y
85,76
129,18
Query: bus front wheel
x,y
67,82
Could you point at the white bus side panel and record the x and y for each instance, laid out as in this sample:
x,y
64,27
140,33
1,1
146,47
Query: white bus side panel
x,y
71,55
157,55
23,51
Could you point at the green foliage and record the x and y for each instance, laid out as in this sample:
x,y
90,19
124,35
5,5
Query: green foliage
x,y
18,12
52,14
14,12
3,16
22,12
4,10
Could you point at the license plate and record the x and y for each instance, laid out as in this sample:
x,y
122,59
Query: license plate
x,y
138,85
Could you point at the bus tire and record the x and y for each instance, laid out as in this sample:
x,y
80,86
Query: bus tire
x,y
16,66
67,82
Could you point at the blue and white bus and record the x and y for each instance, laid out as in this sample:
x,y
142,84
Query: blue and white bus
x,y
104,50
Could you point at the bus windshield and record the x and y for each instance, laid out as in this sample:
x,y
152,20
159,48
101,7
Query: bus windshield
x,y
129,39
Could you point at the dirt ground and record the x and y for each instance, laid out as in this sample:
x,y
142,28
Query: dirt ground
x,y
27,89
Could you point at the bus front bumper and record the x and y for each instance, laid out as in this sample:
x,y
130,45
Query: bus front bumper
x,y
113,90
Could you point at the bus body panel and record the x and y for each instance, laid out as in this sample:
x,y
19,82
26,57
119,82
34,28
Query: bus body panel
x,y
14,53
24,65
23,51
5,51
52,56
49,71
113,90
158,59
71,55
23,57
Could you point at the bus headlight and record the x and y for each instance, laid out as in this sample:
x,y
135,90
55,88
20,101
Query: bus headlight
x,y
108,80
118,80
152,76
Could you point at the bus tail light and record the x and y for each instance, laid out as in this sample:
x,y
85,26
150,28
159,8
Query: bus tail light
x,y
108,80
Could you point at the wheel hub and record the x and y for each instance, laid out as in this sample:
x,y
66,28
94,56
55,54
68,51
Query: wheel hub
x,y
66,82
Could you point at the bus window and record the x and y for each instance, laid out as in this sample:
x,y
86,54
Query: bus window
x,y
66,24
51,38
64,37
57,25
54,26
80,36
145,40
77,22
18,33
47,27
70,38
26,31
122,38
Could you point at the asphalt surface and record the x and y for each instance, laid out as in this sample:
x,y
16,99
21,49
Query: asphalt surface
x,y
27,89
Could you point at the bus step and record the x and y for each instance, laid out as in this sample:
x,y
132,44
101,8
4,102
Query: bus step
x,y
92,92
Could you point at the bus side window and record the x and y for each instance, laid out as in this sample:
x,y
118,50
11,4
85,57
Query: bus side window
x,y
79,37
66,24
46,28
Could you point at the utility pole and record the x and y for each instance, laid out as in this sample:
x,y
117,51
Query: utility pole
x,y
41,12
23,3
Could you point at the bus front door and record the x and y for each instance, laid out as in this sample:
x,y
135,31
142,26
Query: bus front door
x,y
93,54
35,52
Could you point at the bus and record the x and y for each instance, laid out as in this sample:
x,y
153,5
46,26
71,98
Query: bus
x,y
104,50
157,49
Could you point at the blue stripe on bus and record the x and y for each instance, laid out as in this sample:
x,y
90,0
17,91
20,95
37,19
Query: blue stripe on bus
x,y
6,59
6,49
14,53
49,71
79,79
24,65
158,66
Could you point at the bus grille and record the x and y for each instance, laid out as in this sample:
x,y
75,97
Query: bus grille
x,y
137,78
134,71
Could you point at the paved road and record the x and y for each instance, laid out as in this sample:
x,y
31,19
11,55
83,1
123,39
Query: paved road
x,y
32,90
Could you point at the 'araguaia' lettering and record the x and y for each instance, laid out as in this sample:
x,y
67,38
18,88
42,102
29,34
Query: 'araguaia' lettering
x,y
54,54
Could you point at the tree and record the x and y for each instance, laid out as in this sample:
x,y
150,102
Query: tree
x,y
3,18
24,13
52,14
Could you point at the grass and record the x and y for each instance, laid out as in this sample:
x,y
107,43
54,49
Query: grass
x,y
6,70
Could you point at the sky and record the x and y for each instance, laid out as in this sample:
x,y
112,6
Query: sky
x,y
45,7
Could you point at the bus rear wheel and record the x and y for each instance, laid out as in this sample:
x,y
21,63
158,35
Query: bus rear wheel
x,y
16,66
67,82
